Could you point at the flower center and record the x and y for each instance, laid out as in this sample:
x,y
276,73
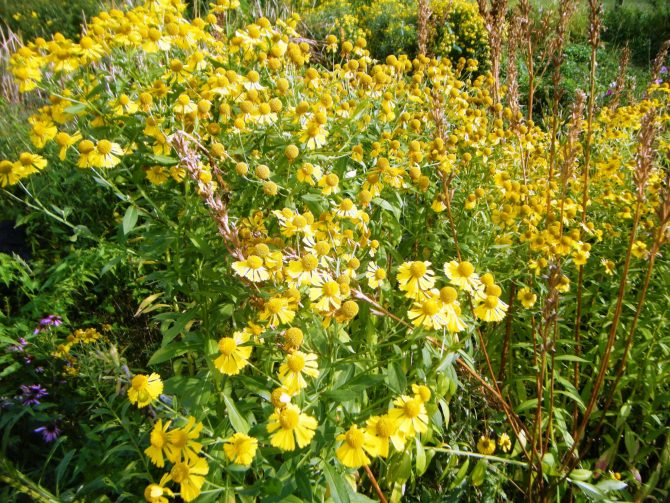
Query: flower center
x,y
448,294
355,438
180,472
104,147
289,418
331,289
293,337
412,408
299,221
179,439
227,345
491,302
275,305
465,269
385,427
430,307
139,382
346,205
380,274
418,269
255,262
296,362
309,262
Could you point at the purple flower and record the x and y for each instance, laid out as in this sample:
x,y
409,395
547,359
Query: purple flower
x,y
51,320
19,346
609,92
664,69
50,432
31,395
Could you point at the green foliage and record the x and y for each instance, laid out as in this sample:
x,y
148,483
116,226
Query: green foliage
x,y
643,30
41,18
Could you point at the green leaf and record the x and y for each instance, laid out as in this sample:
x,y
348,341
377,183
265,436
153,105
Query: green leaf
x,y
336,484
236,419
479,473
396,378
163,160
580,474
130,219
460,475
611,485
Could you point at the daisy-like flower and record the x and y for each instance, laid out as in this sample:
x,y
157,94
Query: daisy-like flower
x,y
486,446
157,175
451,309
491,309
182,443
415,279
375,275
411,415
145,389
190,475
329,184
240,449
504,442
428,313
277,311
462,275
156,493
30,163
184,105
234,356
292,370
251,268
65,141
326,295
526,297
106,154
346,209
304,271
9,173
309,174
86,154
159,440
608,265
384,431
355,443
288,426
422,392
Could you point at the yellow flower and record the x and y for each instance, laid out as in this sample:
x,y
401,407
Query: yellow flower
x,y
421,392
288,426
251,268
190,475
355,443
42,132
158,439
65,141
9,173
375,275
145,389
326,295
181,442
486,446
234,357
491,309
105,155
526,297
240,449
452,309
607,264
462,275
304,271
410,413
277,311
415,279
504,442
308,173
428,313
157,175
155,493
292,370
384,429
86,154
639,250
30,163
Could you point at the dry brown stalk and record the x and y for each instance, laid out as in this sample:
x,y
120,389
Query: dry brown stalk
x,y
187,148
423,16
494,21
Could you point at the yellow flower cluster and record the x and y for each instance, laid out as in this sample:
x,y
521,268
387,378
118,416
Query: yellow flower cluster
x,y
180,447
